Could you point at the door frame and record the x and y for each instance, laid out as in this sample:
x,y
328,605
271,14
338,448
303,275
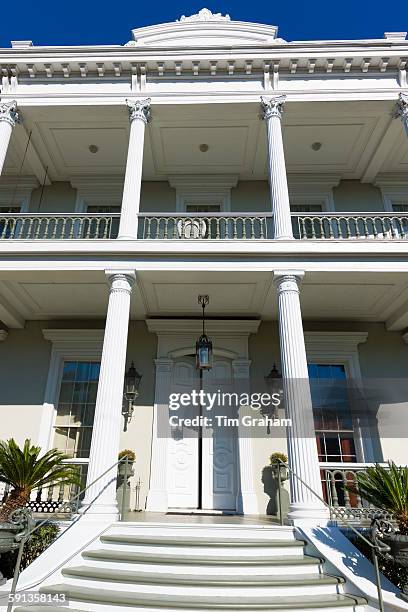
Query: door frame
x,y
176,338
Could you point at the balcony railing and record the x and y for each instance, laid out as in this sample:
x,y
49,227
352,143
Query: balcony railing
x,y
58,227
217,226
336,478
49,500
351,226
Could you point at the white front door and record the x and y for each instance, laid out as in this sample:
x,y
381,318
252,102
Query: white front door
x,y
202,474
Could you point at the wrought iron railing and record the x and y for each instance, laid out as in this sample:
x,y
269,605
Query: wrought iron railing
x,y
53,499
217,226
350,226
51,226
336,480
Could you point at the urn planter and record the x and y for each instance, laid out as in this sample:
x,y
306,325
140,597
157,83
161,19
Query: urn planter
x,y
399,551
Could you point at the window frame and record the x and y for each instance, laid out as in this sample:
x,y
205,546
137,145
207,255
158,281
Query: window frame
x,y
67,345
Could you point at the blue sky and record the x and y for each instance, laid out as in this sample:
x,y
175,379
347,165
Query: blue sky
x,y
98,22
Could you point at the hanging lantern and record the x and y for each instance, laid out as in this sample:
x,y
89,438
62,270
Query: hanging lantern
x,y
203,345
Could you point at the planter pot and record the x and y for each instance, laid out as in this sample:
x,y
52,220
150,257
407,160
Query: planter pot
x,y
8,532
123,488
283,471
122,469
399,551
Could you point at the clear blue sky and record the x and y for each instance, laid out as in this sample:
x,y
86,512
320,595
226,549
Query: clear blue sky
x,y
97,22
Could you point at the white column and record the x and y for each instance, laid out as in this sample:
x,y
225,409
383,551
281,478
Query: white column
x,y
272,109
302,449
157,496
402,110
246,500
8,119
139,115
108,410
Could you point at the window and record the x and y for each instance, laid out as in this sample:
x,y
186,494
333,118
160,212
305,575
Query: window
x,y
102,229
306,208
332,413
76,408
203,208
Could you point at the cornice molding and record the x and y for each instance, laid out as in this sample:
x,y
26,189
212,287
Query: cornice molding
x,y
224,327
334,342
86,339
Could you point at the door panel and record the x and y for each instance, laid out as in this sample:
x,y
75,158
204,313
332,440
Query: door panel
x,y
219,461
182,471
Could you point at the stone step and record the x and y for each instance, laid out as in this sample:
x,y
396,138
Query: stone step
x,y
89,598
188,585
183,557
302,565
186,531
197,539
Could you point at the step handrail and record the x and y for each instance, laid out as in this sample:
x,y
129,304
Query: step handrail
x,y
333,511
26,536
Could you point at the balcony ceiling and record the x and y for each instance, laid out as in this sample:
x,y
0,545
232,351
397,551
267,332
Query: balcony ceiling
x,y
358,141
367,297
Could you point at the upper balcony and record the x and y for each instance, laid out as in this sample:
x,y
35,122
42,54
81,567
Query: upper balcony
x,y
205,173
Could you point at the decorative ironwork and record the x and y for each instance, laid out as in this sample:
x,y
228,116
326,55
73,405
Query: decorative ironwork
x,y
333,226
58,227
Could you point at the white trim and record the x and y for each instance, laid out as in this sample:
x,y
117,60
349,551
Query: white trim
x,y
16,191
79,344
97,191
393,187
200,188
224,327
341,348
309,189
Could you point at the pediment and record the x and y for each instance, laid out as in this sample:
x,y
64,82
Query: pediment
x,y
205,29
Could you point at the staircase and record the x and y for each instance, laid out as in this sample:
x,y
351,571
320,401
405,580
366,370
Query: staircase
x,y
197,567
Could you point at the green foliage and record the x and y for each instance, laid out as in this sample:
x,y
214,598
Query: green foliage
x,y
276,457
24,470
385,488
38,542
129,453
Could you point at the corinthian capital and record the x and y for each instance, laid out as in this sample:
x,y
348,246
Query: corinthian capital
x,y
272,107
9,113
139,109
401,109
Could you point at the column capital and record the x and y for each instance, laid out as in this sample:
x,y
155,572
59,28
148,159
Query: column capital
x,y
120,280
9,113
401,109
288,280
272,107
139,109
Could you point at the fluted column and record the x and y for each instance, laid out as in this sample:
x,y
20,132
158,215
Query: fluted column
x,y
247,502
157,496
272,109
302,449
139,115
402,110
8,119
108,410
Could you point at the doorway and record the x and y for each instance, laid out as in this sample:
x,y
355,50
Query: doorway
x,y
202,459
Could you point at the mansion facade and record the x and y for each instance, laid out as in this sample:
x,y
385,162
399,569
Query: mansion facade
x,y
205,157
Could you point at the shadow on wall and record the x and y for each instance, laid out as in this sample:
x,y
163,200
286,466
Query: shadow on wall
x,y
270,485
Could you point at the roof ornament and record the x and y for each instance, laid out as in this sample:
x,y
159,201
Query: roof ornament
x,y
205,15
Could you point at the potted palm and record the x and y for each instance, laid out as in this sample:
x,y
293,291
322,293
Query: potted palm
x,y
386,488
24,470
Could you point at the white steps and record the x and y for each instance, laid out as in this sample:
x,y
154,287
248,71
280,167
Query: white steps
x,y
211,567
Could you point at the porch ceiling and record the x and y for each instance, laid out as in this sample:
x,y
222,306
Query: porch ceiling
x,y
359,140
84,295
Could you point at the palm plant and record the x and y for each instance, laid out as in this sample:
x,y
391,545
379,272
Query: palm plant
x,y
385,488
24,470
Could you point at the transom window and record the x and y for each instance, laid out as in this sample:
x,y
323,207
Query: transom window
x,y
332,413
203,208
76,408
306,208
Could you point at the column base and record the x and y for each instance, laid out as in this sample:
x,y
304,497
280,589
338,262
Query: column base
x,y
157,501
99,512
247,503
308,514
